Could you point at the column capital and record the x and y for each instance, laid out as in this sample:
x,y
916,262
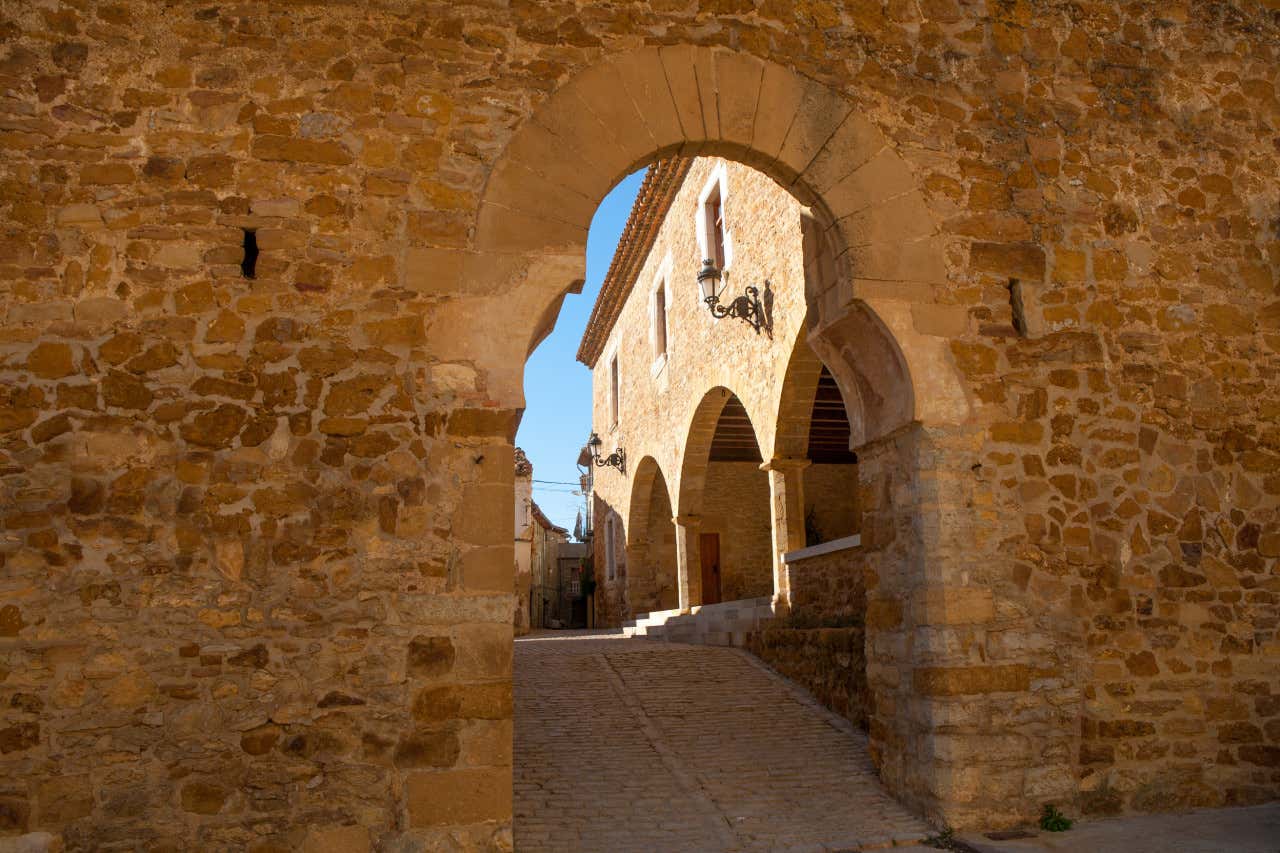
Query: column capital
x,y
687,521
786,464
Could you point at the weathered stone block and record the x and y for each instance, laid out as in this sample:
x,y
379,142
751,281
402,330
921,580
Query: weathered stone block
x,y
107,174
1017,260
337,839
968,680
458,797
463,701
268,147
62,799
427,747
429,657
482,423
884,613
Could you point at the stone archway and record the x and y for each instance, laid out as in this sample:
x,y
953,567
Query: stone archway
x,y
723,493
301,477
539,198
652,577
813,472
877,263
795,400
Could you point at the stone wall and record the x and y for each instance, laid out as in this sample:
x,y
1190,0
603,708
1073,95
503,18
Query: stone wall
x,y
256,558
829,588
257,532
830,663
611,607
736,507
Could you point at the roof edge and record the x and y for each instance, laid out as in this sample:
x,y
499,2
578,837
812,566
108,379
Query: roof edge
x,y
653,201
547,524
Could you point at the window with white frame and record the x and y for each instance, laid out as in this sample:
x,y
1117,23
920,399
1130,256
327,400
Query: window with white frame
x,y
715,242
714,213
659,303
659,320
613,389
610,558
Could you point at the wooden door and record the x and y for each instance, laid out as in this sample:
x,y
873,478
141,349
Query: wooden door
x,y
709,547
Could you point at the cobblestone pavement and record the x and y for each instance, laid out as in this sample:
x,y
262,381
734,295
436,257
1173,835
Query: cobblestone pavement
x,y
1249,829
626,745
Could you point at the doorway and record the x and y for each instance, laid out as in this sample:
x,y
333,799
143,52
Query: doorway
x,y
709,548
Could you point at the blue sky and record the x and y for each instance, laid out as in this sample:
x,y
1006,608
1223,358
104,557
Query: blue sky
x,y
557,387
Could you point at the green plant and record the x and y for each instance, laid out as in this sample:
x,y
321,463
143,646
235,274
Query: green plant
x,y
943,840
1052,820
812,533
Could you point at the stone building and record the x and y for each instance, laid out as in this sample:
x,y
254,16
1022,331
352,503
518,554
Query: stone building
x,y
699,517
269,277
548,584
538,545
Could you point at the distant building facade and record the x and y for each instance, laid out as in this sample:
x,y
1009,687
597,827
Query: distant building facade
x,y
538,546
736,440
547,580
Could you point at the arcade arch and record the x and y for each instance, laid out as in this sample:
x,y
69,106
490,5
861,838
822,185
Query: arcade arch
x,y
651,543
874,262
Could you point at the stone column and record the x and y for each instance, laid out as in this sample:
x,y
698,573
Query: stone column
x,y
786,500
688,560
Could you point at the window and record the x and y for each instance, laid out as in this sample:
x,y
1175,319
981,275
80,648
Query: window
x,y
613,389
713,210
610,558
659,302
249,264
660,319
715,241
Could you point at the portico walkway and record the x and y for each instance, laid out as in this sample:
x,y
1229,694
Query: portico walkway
x,y
634,745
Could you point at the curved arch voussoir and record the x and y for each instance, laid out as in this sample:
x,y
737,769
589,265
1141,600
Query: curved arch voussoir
x,y
795,403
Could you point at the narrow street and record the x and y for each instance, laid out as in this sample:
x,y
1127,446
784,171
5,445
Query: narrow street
x,y
625,745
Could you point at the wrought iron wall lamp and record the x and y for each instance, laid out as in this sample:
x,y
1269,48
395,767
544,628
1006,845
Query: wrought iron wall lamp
x,y
747,307
616,459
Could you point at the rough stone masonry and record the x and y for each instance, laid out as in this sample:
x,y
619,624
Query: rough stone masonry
x,y
256,585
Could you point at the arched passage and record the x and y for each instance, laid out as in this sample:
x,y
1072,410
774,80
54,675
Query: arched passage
x,y
875,317
652,575
816,485
831,480
723,524
634,108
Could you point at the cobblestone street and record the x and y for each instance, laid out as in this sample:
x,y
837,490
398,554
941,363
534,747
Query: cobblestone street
x,y
631,745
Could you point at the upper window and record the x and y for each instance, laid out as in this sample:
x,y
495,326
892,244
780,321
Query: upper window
x,y
714,239
613,390
714,212
659,323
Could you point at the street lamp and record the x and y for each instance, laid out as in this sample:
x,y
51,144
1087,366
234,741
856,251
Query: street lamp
x,y
616,459
746,307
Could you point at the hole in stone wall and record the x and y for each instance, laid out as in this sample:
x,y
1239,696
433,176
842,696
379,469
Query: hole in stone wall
x,y
249,266
1018,307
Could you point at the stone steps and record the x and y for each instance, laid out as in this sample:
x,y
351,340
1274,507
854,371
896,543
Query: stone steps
x,y
725,624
